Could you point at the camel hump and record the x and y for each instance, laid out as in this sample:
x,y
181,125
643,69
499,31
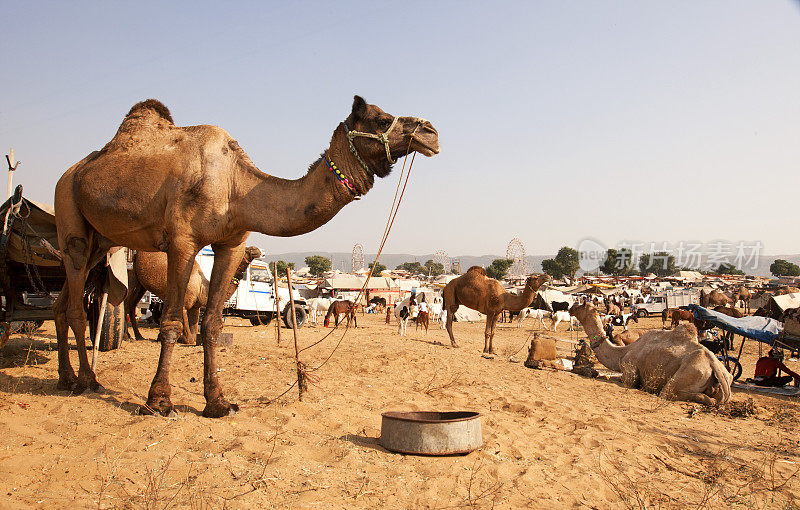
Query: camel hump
x,y
151,104
687,329
477,269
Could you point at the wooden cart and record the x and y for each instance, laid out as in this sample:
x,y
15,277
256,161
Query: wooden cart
x,y
32,275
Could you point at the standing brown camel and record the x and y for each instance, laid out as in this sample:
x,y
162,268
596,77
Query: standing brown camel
x,y
150,273
475,290
744,294
159,187
713,298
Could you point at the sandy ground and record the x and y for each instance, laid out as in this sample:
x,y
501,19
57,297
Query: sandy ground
x,y
551,439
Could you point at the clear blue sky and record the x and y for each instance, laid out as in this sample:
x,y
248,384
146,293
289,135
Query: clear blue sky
x,y
651,121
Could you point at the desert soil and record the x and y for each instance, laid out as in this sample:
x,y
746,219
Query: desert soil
x,y
551,439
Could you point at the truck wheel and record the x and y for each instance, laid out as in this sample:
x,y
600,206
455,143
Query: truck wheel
x,y
299,314
261,319
641,314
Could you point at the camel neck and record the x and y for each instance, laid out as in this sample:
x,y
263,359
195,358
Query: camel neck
x,y
516,302
607,353
285,207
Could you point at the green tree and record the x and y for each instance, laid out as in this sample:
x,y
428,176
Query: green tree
x,y
282,266
412,267
565,263
661,263
618,262
725,268
434,268
784,268
498,268
378,268
318,264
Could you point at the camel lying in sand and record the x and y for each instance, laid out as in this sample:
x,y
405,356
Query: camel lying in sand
x,y
671,363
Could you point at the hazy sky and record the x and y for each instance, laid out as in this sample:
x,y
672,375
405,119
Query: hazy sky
x,y
625,120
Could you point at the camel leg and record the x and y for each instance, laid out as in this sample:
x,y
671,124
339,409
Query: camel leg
x,y
491,321
186,336
66,375
76,317
688,382
226,259
135,293
451,312
180,260
193,316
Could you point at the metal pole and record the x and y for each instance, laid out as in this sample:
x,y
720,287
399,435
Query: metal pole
x,y
301,383
277,305
99,329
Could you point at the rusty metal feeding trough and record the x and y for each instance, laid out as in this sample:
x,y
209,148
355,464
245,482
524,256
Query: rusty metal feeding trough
x,y
431,432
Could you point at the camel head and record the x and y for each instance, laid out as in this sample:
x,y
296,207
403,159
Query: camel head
x,y
381,138
251,253
534,282
588,316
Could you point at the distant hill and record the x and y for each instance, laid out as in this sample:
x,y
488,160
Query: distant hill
x,y
343,261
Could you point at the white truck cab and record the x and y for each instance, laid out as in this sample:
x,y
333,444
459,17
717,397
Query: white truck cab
x,y
254,298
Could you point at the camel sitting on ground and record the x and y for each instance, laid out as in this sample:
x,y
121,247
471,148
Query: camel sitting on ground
x,y
149,273
160,187
671,363
475,290
714,298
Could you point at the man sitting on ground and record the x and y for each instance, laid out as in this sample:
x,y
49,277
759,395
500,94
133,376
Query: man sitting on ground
x,y
768,371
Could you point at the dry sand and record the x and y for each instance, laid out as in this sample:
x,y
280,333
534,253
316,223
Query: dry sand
x,y
551,439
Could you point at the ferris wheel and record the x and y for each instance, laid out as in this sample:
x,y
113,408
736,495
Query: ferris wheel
x,y
441,257
358,257
516,252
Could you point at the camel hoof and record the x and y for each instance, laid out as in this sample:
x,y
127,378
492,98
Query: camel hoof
x,y
219,408
186,341
86,381
67,382
155,405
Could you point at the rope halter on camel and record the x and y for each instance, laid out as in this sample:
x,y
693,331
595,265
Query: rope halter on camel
x,y
383,138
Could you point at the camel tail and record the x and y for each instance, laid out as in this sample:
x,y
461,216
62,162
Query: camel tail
x,y
724,378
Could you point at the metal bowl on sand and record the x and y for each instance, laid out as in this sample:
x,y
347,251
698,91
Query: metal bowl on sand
x,y
431,432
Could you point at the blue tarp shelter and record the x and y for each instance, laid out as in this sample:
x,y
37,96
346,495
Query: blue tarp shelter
x,y
762,329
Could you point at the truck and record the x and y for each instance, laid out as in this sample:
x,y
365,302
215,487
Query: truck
x,y
254,298
655,304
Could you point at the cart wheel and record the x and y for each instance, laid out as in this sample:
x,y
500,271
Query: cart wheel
x,y
732,365
641,314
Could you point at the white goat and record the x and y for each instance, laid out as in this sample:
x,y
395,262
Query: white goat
x,y
560,316
536,313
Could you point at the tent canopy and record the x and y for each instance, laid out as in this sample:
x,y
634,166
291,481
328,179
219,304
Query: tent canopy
x,y
762,329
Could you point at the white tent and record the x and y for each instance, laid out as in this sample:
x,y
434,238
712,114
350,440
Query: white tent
x,y
464,314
